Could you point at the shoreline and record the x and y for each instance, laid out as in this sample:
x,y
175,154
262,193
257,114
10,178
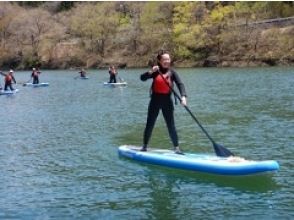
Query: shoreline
x,y
146,67
188,64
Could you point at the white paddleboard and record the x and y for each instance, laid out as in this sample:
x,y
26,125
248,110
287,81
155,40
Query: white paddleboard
x,y
36,85
8,92
120,84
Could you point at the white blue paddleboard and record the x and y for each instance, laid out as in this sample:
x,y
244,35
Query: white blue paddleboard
x,y
198,162
8,92
36,85
120,84
86,77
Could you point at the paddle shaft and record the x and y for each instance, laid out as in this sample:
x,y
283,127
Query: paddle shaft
x,y
219,150
28,80
121,80
202,128
188,110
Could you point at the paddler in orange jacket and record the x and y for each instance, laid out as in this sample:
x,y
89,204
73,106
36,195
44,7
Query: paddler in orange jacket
x,y
8,79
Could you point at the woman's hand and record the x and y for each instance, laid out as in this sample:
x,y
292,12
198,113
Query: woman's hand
x,y
184,101
155,68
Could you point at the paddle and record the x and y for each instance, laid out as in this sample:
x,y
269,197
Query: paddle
x,y
120,79
220,150
24,84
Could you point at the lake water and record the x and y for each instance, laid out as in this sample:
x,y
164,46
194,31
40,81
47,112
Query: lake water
x,y
58,147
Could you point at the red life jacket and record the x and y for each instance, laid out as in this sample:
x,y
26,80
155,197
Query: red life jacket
x,y
160,85
8,78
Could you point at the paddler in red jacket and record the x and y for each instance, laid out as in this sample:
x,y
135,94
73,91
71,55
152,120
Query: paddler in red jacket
x,y
163,78
8,79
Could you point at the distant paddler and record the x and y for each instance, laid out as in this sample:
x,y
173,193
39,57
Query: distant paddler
x,y
35,75
112,74
8,79
83,73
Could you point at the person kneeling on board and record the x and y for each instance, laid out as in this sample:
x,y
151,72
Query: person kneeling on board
x,y
82,73
112,74
35,75
8,78
163,78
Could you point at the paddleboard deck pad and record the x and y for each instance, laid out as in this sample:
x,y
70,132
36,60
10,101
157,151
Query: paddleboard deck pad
x,y
8,92
115,84
36,85
198,162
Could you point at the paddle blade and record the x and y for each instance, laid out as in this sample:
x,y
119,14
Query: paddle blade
x,y
222,151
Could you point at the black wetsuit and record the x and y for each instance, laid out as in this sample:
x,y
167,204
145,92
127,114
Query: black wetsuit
x,y
112,78
83,74
164,103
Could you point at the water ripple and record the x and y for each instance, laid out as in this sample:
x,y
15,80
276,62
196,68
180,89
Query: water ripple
x,y
58,147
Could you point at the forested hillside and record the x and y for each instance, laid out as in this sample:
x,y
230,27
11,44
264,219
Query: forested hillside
x,y
128,34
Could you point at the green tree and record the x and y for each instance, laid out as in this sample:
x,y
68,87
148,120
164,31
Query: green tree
x,y
267,10
156,26
189,36
95,24
32,4
65,6
129,30
217,23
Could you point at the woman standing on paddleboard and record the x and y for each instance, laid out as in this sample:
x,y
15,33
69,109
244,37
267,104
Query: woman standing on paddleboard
x,y
163,78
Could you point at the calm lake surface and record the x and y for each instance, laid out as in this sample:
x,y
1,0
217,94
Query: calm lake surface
x,y
58,147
